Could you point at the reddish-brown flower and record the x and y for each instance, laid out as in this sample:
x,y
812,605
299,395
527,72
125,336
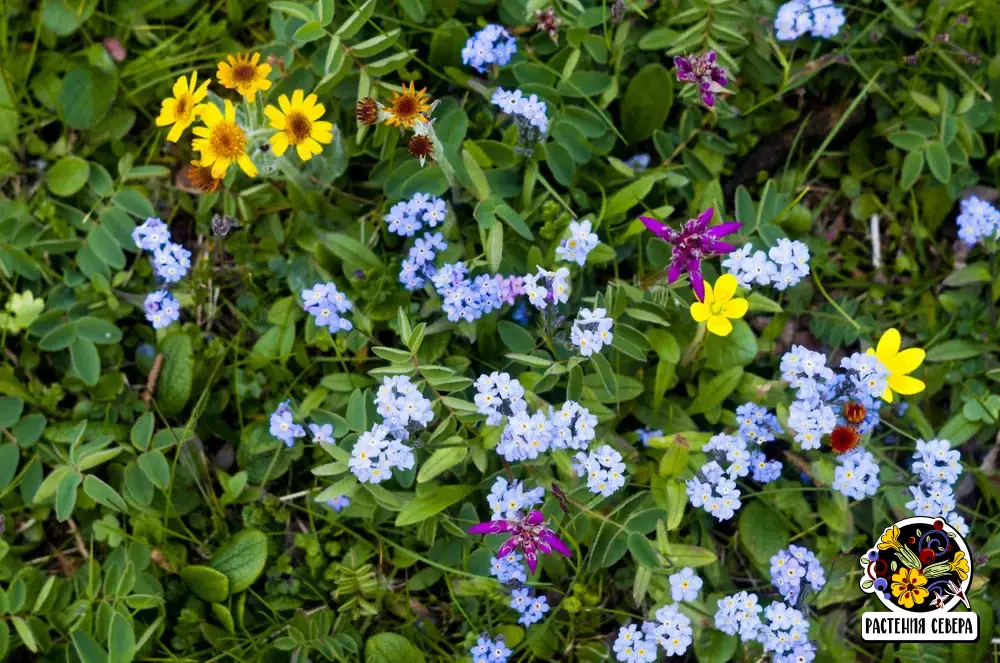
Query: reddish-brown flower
x,y
367,110
854,412
420,147
844,438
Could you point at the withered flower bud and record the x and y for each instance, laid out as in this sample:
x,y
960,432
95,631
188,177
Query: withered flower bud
x,y
367,111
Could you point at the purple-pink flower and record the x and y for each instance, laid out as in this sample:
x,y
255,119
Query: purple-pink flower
x,y
701,69
695,242
527,534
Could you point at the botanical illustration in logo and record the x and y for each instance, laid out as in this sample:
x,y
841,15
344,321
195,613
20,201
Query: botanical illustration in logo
x,y
918,565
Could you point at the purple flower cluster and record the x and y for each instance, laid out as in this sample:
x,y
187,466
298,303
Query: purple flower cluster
x,y
283,424
162,309
792,567
692,244
326,304
704,72
419,266
171,263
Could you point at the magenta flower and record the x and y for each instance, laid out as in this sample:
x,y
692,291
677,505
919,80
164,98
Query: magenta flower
x,y
693,244
527,534
701,69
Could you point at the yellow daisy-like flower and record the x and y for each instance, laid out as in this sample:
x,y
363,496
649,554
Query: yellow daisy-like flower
x,y
960,565
899,364
297,124
720,306
408,108
222,142
890,539
908,587
244,75
182,109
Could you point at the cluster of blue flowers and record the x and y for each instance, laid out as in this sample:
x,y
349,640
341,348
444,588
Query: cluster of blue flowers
x,y
938,467
377,453
718,494
591,331
508,500
978,220
321,433
793,566
467,298
524,437
757,424
646,434
818,389
490,651
580,242
782,266
820,18
402,406
406,217
603,468
162,310
685,585
672,631
634,646
283,424
419,266
492,45
509,569
498,396
786,634
545,287
531,608
530,113
739,614
857,475
171,263
327,305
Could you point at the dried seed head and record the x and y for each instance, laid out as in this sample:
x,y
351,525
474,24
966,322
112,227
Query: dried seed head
x,y
367,111
420,147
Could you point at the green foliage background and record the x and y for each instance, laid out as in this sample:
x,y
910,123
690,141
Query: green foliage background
x,y
150,516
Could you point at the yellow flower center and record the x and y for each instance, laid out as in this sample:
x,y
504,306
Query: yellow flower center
x,y
183,109
716,308
298,127
243,73
228,140
404,107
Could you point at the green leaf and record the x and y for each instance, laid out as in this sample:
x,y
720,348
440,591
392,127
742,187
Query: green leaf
x,y
604,371
88,649
957,349
907,140
142,431
155,466
392,354
762,533
515,337
85,97
209,584
173,389
628,197
714,646
10,411
442,460
938,161
391,648
913,166
716,390
295,9
424,507
480,186
24,631
680,554
737,349
121,640
355,21
67,176
48,487
977,272
66,495
86,360
10,455
106,247
357,411
642,550
311,31
58,338
353,253
98,331
101,492
242,559
494,247
647,101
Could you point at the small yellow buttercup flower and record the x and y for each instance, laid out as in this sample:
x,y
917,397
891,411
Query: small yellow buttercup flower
x,y
720,306
182,109
298,125
408,108
899,364
244,75
222,142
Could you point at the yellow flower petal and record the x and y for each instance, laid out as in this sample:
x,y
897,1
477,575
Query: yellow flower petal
x,y
180,87
286,107
247,165
699,312
719,325
905,384
230,111
709,294
303,151
176,131
907,361
887,395
275,116
297,97
210,115
888,346
279,142
735,308
725,287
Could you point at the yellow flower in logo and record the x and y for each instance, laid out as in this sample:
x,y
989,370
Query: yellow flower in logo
x,y
890,539
908,587
960,565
